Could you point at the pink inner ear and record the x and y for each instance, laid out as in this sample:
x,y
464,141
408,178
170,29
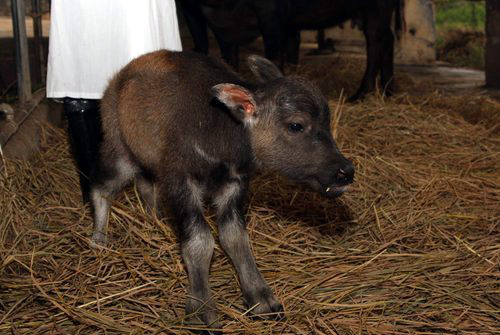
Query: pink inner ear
x,y
242,99
249,108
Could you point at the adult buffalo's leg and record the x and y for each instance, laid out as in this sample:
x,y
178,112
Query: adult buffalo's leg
x,y
197,244
293,46
387,71
374,51
270,15
196,23
379,48
325,45
230,203
229,51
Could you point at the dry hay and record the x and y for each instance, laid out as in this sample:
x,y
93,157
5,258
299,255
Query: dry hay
x,y
340,73
413,248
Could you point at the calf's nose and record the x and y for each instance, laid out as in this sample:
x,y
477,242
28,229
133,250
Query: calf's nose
x,y
345,174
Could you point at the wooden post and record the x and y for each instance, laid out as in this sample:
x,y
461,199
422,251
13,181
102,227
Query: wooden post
x,y
22,53
492,50
38,37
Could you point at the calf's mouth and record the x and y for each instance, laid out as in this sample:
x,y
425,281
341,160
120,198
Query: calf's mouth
x,y
330,191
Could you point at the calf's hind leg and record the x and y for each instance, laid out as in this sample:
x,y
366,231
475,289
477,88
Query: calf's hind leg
x,y
110,178
148,192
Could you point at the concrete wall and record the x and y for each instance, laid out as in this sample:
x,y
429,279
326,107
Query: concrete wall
x,y
417,45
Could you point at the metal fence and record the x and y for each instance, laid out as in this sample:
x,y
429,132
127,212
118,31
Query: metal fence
x,y
27,100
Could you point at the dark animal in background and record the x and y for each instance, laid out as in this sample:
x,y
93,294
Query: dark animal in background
x,y
237,22
189,130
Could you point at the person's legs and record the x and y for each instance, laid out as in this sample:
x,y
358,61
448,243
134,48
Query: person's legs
x,y
85,135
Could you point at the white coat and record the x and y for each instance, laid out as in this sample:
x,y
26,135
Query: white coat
x,y
90,40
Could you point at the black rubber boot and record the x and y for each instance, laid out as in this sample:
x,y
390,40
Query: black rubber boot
x,y
85,135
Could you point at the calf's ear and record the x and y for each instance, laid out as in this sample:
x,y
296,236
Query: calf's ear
x,y
263,69
238,99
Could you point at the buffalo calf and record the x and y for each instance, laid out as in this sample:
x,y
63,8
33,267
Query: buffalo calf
x,y
189,130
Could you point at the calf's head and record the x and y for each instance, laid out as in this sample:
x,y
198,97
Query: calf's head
x,y
289,123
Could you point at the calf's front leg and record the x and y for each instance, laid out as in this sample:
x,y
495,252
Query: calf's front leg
x,y
230,203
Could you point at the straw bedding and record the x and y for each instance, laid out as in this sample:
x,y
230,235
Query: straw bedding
x,y
413,248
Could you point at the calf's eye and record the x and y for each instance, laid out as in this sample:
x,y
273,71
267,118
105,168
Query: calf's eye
x,y
295,128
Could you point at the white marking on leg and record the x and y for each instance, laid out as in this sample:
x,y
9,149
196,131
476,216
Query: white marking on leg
x,y
225,195
199,247
233,236
196,192
101,212
229,191
126,169
203,154
235,241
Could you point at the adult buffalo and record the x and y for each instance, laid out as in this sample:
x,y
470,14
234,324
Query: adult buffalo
x,y
237,22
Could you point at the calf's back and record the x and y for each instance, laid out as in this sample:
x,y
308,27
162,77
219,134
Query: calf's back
x,y
159,109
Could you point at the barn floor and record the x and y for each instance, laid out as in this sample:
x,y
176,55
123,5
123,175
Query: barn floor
x,y
413,248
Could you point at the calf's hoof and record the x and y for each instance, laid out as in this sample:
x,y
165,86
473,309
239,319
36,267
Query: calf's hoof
x,y
207,332
97,240
202,315
197,328
264,305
